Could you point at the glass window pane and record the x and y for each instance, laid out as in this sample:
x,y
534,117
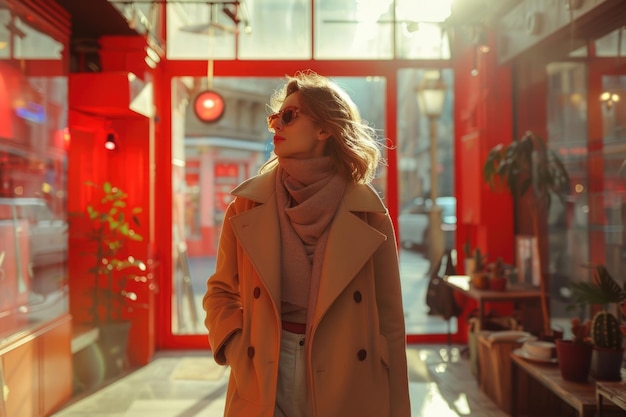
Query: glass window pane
x,y
421,41
568,220
30,43
414,202
277,29
5,16
347,29
33,193
613,44
419,29
614,160
199,31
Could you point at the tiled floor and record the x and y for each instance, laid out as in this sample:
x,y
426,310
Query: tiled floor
x,y
189,384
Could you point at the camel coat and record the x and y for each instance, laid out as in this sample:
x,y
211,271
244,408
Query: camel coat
x,y
356,346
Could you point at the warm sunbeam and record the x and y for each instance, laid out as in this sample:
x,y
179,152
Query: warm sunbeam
x,y
424,10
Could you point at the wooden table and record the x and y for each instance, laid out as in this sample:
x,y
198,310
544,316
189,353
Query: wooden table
x,y
615,392
579,395
515,295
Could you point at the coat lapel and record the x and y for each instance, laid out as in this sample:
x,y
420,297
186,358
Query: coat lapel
x,y
258,232
351,242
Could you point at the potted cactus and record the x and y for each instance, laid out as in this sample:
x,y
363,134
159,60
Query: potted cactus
x,y
606,329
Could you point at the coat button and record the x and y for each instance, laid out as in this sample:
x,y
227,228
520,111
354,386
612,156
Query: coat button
x,y
362,354
251,352
257,292
357,296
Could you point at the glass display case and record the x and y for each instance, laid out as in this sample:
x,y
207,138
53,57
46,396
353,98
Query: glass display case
x,y
33,184
33,256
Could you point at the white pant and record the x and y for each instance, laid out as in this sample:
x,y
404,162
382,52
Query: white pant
x,y
292,392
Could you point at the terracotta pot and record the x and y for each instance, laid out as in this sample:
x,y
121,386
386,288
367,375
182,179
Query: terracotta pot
x,y
606,364
574,359
480,280
497,283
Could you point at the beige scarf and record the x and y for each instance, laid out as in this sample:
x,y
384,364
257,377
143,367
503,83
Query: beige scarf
x,y
308,193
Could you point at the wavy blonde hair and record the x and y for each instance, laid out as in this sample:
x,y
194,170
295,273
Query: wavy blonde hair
x,y
353,145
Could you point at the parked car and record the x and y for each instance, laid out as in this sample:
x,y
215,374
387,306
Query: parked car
x,y
46,231
414,219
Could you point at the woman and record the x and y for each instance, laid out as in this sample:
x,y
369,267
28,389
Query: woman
x,y
305,304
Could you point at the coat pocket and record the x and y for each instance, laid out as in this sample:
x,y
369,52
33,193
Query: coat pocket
x,y
231,346
383,348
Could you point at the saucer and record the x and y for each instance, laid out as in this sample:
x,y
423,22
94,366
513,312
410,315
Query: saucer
x,y
525,355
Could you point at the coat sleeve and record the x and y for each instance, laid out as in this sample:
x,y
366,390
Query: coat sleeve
x,y
222,300
391,316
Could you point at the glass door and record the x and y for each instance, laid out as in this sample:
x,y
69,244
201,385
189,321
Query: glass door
x,y
214,157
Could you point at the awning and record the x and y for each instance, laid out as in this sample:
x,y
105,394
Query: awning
x,y
112,94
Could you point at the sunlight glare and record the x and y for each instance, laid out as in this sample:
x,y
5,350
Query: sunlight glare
x,y
368,12
428,400
441,368
424,10
461,404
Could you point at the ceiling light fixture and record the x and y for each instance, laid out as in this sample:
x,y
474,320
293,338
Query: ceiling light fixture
x,y
208,106
609,99
111,141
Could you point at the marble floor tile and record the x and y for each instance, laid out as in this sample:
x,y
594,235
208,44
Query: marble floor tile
x,y
441,385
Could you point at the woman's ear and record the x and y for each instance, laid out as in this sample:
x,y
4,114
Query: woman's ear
x,y
323,134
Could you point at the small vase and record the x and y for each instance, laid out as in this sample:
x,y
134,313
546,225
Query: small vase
x,y
574,359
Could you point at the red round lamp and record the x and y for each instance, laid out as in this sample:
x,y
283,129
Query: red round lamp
x,y
208,106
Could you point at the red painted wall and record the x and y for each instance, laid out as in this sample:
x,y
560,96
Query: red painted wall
x,y
483,119
130,167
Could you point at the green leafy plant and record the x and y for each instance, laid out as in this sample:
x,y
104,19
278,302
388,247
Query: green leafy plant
x,y
528,164
112,227
603,290
524,163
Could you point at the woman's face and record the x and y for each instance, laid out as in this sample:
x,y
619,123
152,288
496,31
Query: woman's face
x,y
295,133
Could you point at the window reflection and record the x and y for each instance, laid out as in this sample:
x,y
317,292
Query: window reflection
x,y
33,182
4,33
613,44
282,29
568,220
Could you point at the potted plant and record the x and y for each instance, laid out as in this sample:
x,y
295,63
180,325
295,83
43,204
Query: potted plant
x,y
522,165
497,275
574,356
478,275
606,330
469,262
110,226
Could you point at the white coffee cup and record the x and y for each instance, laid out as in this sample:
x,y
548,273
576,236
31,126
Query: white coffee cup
x,y
539,349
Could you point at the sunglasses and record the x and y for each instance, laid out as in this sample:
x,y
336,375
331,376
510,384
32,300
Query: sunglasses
x,y
285,117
